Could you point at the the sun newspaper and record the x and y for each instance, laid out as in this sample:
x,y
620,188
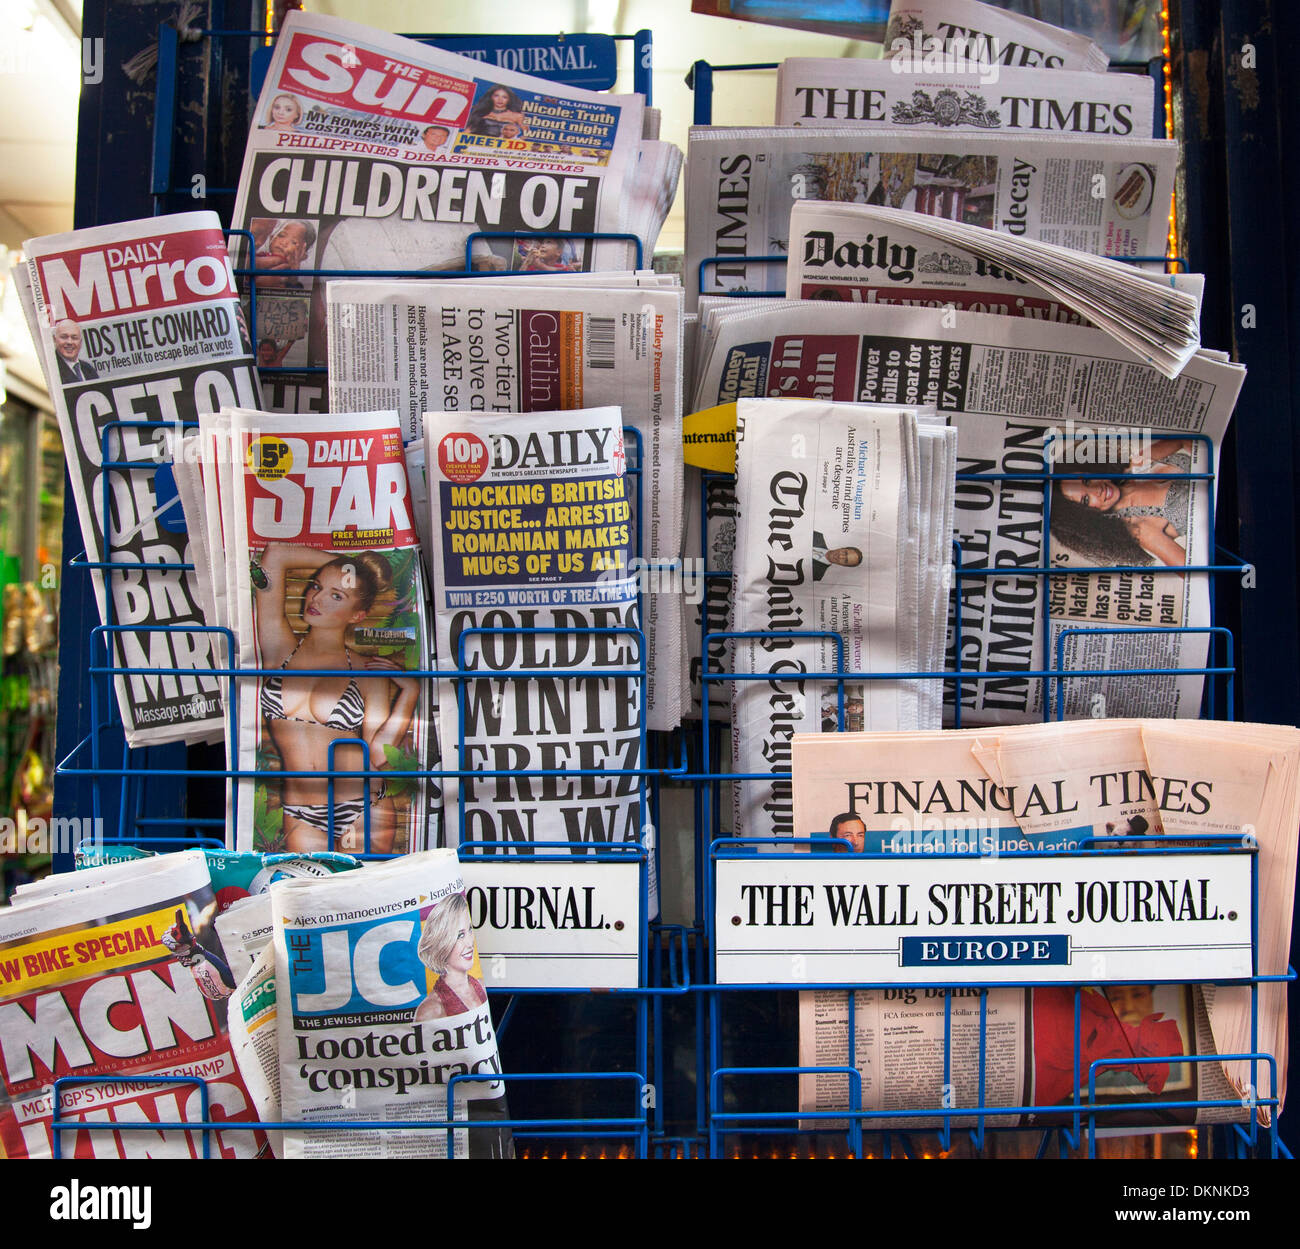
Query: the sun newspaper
x,y
141,332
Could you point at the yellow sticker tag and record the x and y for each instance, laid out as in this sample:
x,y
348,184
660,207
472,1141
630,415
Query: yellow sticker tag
x,y
709,438
270,458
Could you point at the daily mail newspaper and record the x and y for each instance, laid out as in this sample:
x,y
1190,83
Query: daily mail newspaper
x,y
379,1004
141,332
851,91
925,794
333,586
969,32
1106,196
372,152
122,979
1060,404
478,348
533,540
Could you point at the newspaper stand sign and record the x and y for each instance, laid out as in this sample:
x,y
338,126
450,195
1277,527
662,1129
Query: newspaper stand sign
x,y
1010,919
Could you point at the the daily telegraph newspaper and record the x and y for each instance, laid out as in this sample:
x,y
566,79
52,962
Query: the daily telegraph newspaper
x,y
379,1004
476,347
830,542
123,979
1058,403
1053,786
532,549
373,152
328,580
971,34
868,254
141,332
1108,196
826,91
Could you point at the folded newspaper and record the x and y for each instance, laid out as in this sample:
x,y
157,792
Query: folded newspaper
x,y
970,33
1107,466
116,985
1054,786
381,1015
371,152
868,254
141,333
1109,196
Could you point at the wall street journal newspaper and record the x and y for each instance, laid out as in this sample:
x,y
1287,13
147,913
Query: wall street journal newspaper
x,y
141,332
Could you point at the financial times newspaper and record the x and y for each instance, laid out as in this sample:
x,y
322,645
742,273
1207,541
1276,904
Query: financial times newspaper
x,y
1032,398
373,152
494,348
1106,196
380,1002
533,535
124,979
851,91
140,331
968,32
329,582
1052,786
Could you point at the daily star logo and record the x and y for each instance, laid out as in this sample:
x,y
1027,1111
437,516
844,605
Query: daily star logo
x,y
356,78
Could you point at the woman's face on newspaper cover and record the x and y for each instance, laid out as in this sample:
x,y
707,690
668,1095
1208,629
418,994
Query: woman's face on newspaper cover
x,y
461,955
500,100
285,110
1101,496
331,600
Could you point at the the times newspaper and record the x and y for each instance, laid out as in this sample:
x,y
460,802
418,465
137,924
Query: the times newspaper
x,y
495,348
380,1003
831,544
828,91
141,332
532,550
1038,409
969,32
372,152
327,580
122,979
1106,196
1054,786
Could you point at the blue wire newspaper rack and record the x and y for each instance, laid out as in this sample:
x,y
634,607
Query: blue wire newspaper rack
x,y
677,1014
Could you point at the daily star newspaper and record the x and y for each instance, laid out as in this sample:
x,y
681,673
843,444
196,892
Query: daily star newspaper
x,y
141,332
532,537
374,152
333,586
1109,196
1117,459
852,91
122,979
496,348
379,1004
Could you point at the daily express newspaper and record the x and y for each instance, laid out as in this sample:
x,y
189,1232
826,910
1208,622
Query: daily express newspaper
x,y
825,91
482,347
372,152
379,1004
141,332
968,32
830,542
1056,403
532,549
333,586
1105,196
122,979
925,794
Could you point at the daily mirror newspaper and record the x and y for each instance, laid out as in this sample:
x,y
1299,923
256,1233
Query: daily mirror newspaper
x,y
122,979
380,1004
141,332
1106,196
523,348
531,519
1107,465
852,91
332,587
373,152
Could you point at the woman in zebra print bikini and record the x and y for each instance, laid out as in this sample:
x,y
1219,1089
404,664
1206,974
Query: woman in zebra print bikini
x,y
304,716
